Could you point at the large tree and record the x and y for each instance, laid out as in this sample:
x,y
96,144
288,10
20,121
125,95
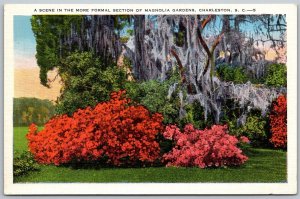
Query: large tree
x,y
162,42
58,36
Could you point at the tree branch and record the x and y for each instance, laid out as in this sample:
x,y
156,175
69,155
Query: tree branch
x,y
208,51
206,66
217,41
180,66
49,80
211,51
181,70
203,43
205,21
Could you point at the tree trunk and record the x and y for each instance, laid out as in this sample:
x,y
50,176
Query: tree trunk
x,y
139,33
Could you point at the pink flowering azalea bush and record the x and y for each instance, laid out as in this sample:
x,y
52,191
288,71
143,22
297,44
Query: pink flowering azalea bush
x,y
244,140
212,147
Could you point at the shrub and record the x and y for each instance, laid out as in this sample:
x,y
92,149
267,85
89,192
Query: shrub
x,y
235,74
86,82
203,148
195,116
278,122
117,130
255,130
24,163
254,127
154,95
276,75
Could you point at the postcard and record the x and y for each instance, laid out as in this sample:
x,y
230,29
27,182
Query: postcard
x,y
150,99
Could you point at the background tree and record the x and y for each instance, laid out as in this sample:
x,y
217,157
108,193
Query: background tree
x,y
58,36
32,110
52,33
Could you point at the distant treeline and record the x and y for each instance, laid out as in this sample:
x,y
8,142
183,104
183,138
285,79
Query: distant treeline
x,y
32,110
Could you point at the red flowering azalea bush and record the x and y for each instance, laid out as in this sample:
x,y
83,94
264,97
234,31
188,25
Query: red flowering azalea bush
x,y
278,122
118,130
203,148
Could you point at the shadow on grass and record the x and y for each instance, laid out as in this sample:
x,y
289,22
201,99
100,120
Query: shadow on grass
x,y
257,152
95,165
103,164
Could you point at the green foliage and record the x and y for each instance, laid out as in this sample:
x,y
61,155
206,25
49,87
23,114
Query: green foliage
x,y
49,31
32,110
195,116
124,39
153,95
130,32
179,40
276,75
122,21
231,111
232,73
255,129
87,81
258,81
23,164
180,35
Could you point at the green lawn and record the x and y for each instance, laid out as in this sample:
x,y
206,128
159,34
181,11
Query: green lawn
x,y
264,165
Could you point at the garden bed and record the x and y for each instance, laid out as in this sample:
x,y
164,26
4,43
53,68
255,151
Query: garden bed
x,y
264,165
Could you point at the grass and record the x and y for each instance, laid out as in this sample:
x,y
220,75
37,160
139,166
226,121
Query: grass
x,y
264,165
20,141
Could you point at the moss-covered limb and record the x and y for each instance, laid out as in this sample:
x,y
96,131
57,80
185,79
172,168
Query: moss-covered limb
x,y
58,36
